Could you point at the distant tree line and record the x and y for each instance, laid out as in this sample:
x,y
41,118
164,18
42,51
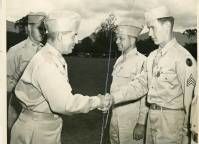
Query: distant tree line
x,y
98,44
191,47
102,40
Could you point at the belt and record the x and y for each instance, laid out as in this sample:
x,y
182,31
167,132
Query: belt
x,y
39,115
194,137
157,107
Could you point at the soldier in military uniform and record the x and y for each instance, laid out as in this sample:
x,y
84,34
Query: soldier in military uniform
x,y
171,82
169,79
194,117
44,89
128,116
19,56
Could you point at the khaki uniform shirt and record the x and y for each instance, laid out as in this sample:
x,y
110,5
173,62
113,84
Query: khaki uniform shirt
x,y
44,86
125,70
18,57
169,78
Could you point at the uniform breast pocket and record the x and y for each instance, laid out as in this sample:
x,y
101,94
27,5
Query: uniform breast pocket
x,y
168,77
126,75
61,69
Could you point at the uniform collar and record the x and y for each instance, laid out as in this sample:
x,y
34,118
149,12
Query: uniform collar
x,y
132,52
169,45
52,49
56,53
32,44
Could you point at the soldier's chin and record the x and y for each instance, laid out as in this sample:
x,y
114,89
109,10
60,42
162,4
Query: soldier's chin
x,y
120,48
67,52
155,41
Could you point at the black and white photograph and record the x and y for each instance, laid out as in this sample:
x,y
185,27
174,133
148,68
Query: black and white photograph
x,y
101,72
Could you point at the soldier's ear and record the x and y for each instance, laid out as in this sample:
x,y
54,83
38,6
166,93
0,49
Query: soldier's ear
x,y
59,36
28,29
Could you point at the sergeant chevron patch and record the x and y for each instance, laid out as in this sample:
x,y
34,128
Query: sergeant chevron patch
x,y
191,81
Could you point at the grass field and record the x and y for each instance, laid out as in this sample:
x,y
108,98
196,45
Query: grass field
x,y
87,76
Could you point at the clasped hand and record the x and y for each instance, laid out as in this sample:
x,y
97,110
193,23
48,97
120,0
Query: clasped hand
x,y
105,102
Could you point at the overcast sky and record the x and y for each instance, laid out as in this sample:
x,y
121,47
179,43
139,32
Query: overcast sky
x,y
93,12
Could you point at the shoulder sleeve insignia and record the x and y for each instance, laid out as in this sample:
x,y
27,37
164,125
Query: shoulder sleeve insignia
x,y
189,62
191,81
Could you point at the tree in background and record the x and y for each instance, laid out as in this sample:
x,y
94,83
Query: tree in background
x,y
21,34
98,43
106,37
190,33
146,46
191,47
21,25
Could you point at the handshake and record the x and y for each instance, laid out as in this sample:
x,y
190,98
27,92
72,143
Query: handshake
x,y
106,102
